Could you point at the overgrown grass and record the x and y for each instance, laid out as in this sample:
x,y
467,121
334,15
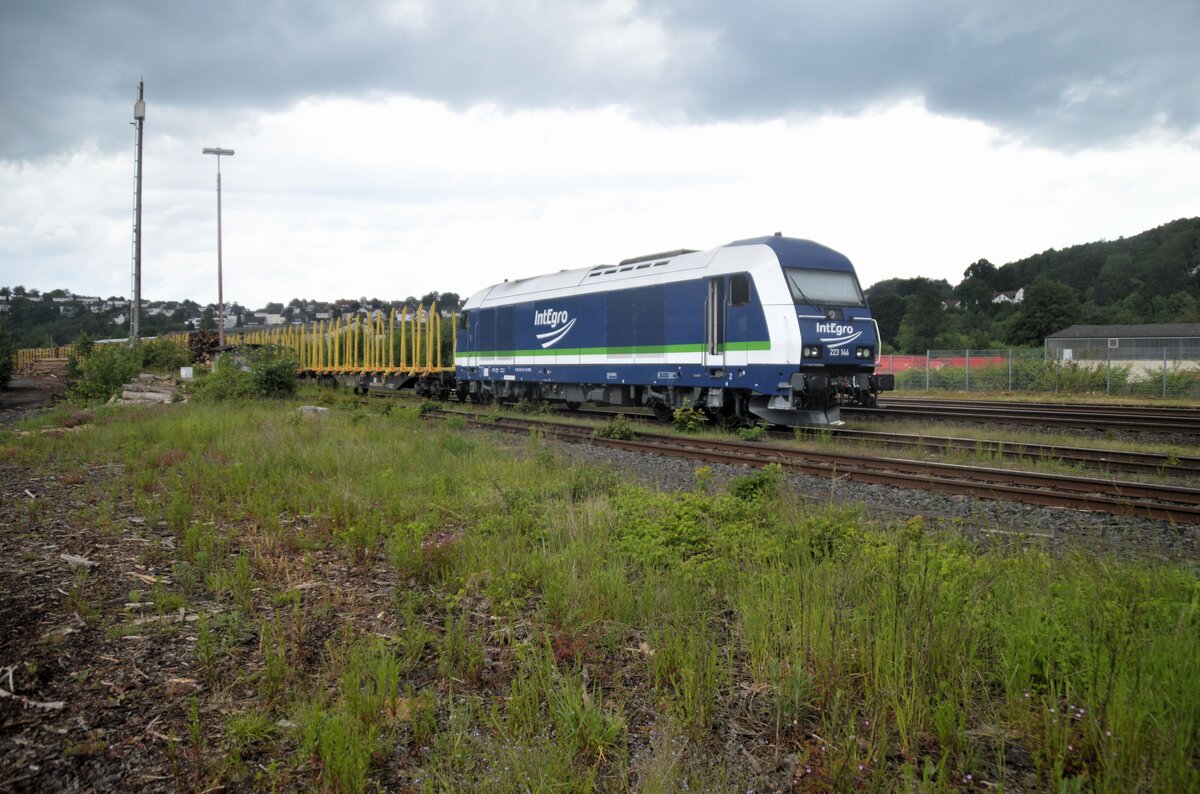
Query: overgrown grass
x,y
553,625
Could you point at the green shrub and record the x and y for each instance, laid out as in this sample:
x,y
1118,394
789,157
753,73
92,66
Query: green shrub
x,y
104,371
227,381
8,349
755,433
273,371
265,372
618,428
762,482
83,347
689,420
164,355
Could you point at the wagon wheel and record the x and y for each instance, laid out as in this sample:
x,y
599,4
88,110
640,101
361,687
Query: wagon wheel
x,y
572,405
662,411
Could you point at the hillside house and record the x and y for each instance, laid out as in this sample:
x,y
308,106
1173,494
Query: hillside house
x,y
1009,296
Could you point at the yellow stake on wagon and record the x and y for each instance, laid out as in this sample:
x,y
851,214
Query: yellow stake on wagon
x,y
430,331
391,340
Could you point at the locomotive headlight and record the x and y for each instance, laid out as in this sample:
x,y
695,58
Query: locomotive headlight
x,y
812,351
863,352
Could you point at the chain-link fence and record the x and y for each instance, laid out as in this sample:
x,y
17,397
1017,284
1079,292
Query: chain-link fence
x,y
1169,372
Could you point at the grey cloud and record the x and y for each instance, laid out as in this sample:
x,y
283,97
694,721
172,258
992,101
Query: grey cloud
x,y
1064,74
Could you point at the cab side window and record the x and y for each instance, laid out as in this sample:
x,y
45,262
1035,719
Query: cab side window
x,y
739,290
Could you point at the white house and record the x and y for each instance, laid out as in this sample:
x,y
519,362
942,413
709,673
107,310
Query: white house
x,y
1009,296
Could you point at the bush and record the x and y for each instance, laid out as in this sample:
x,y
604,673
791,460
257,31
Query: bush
x,y
266,372
759,483
8,349
756,433
164,355
689,420
227,381
273,370
618,428
105,370
82,348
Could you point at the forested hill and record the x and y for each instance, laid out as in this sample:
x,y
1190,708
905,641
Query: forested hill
x,y
1153,277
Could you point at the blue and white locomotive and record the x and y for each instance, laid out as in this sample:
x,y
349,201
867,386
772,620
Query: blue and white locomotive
x,y
771,328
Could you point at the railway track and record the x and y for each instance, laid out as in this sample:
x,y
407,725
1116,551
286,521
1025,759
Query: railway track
x,y
1101,460
1178,504
1184,422
1105,461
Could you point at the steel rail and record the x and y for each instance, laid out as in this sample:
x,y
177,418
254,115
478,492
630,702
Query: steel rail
x,y
1078,407
1169,503
1104,459
1033,416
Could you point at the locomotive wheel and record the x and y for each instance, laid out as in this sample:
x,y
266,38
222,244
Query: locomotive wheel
x,y
573,406
729,416
662,411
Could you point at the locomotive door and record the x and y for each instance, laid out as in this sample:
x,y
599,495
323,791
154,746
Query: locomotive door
x,y
714,324
738,308
468,341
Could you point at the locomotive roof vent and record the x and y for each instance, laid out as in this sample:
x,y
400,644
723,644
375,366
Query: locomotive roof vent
x,y
667,254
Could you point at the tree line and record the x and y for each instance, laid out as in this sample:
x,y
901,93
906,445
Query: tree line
x,y
32,322
1153,277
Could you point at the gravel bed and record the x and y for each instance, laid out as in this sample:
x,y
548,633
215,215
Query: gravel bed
x,y
996,522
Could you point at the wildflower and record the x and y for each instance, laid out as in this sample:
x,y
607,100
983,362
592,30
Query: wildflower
x,y
808,770
1108,734
1070,748
860,767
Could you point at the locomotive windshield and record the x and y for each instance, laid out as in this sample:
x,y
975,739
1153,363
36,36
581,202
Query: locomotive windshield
x,y
823,287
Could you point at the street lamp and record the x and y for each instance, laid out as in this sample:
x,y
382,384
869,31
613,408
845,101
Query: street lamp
x,y
220,288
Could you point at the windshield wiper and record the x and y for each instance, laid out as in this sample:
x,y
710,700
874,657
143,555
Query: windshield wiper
x,y
796,286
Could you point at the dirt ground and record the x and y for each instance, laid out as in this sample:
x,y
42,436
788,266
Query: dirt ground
x,y
98,680
26,394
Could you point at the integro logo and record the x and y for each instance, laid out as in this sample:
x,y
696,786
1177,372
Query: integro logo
x,y
551,317
559,321
834,328
842,335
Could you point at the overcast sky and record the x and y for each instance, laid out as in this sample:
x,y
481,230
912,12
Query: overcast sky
x,y
387,149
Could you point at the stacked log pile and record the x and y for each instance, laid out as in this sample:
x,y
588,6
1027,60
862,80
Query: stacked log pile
x,y
201,345
149,390
48,367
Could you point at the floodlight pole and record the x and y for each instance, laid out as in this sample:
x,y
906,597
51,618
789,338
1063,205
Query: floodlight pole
x,y
220,286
